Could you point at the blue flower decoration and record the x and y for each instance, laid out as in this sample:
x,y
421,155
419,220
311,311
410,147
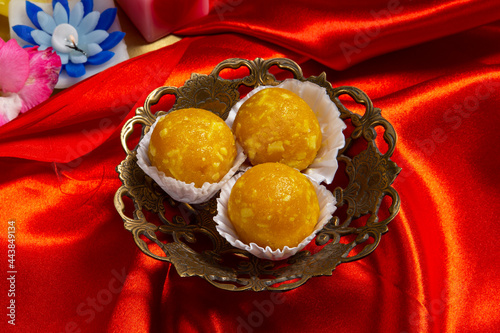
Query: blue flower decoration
x,y
89,44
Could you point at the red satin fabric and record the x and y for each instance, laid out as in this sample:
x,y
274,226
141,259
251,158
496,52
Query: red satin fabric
x,y
436,270
340,34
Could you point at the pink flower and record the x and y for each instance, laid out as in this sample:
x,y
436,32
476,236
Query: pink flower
x,y
28,77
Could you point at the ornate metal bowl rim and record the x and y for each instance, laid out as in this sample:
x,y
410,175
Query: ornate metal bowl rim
x,y
370,173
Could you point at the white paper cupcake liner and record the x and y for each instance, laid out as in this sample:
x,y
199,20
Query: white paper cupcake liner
x,y
325,164
179,190
225,227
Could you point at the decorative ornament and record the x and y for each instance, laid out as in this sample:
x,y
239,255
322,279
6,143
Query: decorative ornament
x,y
4,7
157,18
78,35
28,78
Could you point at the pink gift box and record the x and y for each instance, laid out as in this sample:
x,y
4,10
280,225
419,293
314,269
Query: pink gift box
x,y
158,18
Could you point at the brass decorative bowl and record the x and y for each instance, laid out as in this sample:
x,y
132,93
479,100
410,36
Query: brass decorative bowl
x,y
186,234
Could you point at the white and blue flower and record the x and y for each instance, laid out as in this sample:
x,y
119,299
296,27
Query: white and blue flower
x,y
90,41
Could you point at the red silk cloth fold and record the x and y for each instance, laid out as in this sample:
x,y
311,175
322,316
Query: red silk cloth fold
x,y
340,34
436,77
